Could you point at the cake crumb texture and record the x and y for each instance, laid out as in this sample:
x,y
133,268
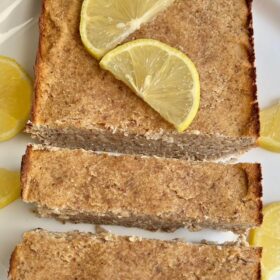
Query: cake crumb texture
x,y
148,192
73,90
79,105
46,256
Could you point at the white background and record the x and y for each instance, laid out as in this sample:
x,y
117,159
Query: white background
x,y
17,218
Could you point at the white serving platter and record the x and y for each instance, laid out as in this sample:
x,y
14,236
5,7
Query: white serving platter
x,y
19,39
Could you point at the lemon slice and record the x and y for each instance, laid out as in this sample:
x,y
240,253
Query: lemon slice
x,y
162,76
106,23
270,128
9,187
15,98
268,237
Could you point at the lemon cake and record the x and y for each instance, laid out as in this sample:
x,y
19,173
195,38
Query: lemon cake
x,y
79,105
147,192
73,255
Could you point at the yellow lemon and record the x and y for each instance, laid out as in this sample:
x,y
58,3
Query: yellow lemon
x,y
9,187
270,128
268,237
106,23
15,98
162,76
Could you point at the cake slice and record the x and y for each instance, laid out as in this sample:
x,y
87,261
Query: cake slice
x,y
139,191
79,105
46,255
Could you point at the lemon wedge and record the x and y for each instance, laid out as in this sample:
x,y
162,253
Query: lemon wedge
x,y
268,237
106,23
15,98
9,187
162,76
270,128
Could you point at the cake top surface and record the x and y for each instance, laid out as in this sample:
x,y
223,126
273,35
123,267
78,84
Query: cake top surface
x,y
45,255
72,91
78,180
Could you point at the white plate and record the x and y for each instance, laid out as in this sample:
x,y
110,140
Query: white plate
x,y
21,44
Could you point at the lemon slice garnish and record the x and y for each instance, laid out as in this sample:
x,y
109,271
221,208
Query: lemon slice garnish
x,y
270,128
162,76
9,187
268,237
15,98
106,23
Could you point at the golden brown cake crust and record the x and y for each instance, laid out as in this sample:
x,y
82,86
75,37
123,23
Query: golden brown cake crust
x,y
254,128
254,177
72,91
46,256
148,192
